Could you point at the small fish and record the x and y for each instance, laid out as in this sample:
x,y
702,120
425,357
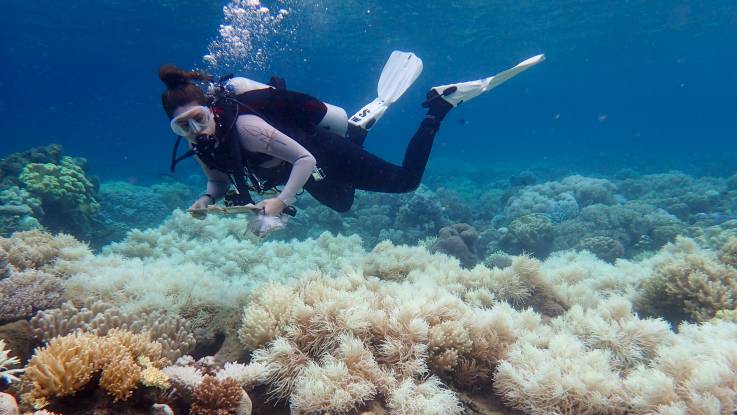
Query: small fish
x,y
462,121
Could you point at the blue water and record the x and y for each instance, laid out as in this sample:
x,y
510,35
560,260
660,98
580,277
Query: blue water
x,y
644,84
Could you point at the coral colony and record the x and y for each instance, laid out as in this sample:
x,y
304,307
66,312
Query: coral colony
x,y
573,295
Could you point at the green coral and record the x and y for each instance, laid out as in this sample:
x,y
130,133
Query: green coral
x,y
64,185
529,233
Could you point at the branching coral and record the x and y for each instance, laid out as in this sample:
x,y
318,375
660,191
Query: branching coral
x,y
172,332
689,282
33,261
216,397
69,362
199,270
39,250
6,374
24,293
341,342
609,361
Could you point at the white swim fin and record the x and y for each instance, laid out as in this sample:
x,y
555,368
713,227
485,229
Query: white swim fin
x,y
399,73
455,94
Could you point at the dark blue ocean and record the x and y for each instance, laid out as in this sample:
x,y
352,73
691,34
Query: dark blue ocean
x,y
649,85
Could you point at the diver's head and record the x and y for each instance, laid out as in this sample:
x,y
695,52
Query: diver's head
x,y
192,120
184,102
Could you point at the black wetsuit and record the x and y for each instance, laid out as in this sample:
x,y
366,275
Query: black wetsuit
x,y
348,166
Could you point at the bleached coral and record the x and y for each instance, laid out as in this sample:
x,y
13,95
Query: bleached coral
x,y
689,282
246,375
608,360
6,361
199,270
423,398
172,332
185,377
355,338
24,293
40,250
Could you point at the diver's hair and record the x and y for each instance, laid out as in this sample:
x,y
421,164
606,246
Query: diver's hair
x,y
180,88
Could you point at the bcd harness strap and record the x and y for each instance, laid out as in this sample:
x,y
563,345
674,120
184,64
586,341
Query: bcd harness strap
x,y
239,171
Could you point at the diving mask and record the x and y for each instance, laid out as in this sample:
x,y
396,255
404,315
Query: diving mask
x,y
191,122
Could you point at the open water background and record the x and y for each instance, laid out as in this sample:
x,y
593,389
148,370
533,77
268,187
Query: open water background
x,y
650,85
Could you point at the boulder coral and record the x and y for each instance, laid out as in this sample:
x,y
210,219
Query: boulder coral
x,y
458,240
63,185
67,195
531,233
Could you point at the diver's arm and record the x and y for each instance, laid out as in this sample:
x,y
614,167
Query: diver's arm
x,y
260,137
217,182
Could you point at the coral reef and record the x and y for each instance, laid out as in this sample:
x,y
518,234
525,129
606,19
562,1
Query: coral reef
x,y
12,165
690,283
68,363
200,270
606,248
529,233
171,332
587,300
19,211
24,293
6,361
32,272
561,200
216,397
63,186
125,206
671,373
458,240
67,196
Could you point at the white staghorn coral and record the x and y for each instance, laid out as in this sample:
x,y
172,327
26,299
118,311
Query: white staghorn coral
x,y
6,374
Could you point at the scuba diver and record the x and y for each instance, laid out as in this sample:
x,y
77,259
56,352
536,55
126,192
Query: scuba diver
x,y
250,136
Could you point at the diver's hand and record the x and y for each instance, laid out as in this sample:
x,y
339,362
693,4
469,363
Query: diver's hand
x,y
202,203
271,207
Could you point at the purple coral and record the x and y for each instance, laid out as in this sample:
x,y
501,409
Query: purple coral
x,y
24,293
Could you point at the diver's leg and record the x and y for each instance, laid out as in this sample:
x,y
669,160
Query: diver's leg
x,y
357,134
348,163
335,195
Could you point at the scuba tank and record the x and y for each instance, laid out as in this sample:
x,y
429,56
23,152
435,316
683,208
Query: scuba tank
x,y
335,119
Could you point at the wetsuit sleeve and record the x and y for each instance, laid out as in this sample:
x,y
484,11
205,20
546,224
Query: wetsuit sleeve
x,y
259,137
217,181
